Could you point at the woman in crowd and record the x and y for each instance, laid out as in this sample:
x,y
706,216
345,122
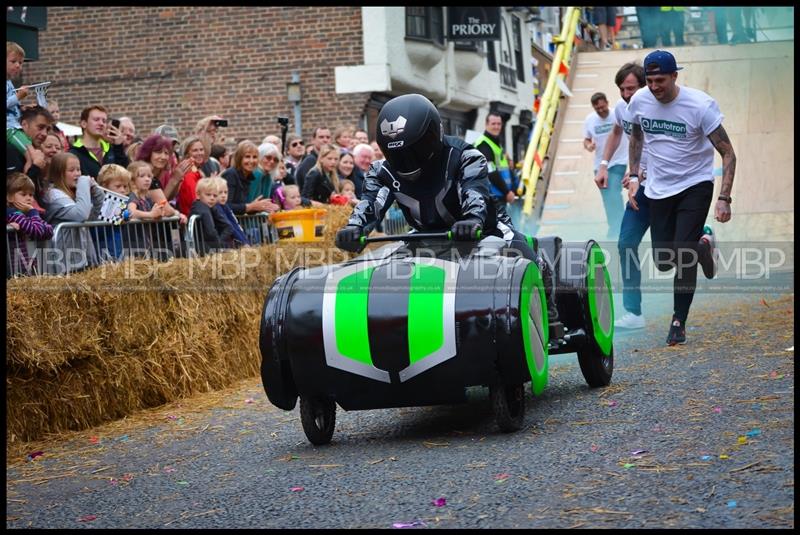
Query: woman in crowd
x,y
268,159
50,147
193,151
295,151
245,161
346,165
322,180
207,129
167,172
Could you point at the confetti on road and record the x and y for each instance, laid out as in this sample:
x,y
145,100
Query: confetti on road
x,y
33,455
297,489
87,518
705,458
439,502
732,504
594,448
403,525
754,432
717,410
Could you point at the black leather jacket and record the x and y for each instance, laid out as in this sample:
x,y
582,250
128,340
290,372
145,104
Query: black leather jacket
x,y
459,190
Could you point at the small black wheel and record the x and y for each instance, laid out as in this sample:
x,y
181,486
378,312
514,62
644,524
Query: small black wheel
x,y
508,406
318,417
596,367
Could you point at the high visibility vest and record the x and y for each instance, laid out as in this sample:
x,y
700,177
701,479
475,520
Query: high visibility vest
x,y
105,145
500,164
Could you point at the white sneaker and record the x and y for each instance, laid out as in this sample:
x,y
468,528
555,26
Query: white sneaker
x,y
630,321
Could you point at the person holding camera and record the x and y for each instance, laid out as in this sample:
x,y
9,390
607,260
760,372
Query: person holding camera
x,y
101,142
207,128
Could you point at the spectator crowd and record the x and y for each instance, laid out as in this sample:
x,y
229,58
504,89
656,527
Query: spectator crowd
x,y
113,173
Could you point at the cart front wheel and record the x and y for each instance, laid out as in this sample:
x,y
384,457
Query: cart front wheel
x,y
318,417
596,367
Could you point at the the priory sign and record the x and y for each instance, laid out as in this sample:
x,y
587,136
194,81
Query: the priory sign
x,y
473,23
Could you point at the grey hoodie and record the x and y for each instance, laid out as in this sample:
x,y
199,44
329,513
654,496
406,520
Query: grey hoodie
x,y
75,247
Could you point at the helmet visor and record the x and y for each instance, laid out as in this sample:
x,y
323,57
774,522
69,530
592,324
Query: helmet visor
x,y
409,161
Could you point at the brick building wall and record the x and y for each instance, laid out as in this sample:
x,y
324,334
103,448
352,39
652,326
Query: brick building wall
x,y
184,63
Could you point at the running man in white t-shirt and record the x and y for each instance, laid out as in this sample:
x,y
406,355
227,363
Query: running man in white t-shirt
x,y
596,128
681,127
629,78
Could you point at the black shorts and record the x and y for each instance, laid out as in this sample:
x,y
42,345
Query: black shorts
x,y
604,15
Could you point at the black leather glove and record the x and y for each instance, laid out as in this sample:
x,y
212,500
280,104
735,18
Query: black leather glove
x,y
466,229
348,238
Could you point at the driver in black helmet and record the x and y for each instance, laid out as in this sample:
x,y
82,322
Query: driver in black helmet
x,y
440,183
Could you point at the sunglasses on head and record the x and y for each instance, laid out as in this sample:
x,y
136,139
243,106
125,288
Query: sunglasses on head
x,y
296,143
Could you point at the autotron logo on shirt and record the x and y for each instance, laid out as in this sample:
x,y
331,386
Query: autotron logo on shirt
x,y
667,128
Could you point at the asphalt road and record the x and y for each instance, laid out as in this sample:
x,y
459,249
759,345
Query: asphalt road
x,y
697,436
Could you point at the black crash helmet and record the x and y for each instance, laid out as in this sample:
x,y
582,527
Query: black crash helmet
x,y
409,133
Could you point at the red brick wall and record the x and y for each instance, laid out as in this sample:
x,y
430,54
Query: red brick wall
x,y
184,63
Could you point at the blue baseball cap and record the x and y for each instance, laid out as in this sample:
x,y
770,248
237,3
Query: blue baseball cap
x,y
660,62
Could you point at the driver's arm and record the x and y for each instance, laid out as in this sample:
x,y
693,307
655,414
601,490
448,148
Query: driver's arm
x,y
375,201
474,185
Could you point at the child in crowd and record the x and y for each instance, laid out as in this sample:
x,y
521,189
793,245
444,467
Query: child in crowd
x,y
208,239
114,178
139,204
71,200
348,189
142,173
15,56
142,207
21,214
291,197
238,237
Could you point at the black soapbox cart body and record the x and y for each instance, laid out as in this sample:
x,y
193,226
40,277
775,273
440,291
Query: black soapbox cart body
x,y
417,322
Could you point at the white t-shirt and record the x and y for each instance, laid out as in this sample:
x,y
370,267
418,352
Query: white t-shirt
x,y
622,119
598,129
679,152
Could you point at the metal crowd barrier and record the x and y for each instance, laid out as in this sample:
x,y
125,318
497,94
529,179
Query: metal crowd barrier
x,y
256,227
77,246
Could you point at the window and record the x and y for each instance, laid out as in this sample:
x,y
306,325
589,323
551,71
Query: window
x,y
491,58
425,23
517,40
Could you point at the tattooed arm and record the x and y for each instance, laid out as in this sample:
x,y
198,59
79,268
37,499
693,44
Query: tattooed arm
x,y
635,144
719,138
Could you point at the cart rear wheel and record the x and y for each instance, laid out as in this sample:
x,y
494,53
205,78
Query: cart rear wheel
x,y
508,406
318,417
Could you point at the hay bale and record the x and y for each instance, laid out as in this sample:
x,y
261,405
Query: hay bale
x,y
101,344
